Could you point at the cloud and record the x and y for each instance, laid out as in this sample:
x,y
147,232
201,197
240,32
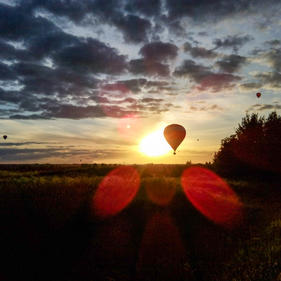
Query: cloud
x,y
6,73
134,28
67,153
144,7
231,63
273,43
91,55
271,79
148,68
17,24
22,143
216,10
274,58
159,51
232,42
204,77
261,107
251,85
199,52
200,8
211,107
196,71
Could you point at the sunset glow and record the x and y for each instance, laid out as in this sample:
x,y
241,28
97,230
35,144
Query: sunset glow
x,y
154,145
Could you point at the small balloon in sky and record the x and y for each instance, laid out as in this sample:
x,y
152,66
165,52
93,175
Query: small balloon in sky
x,y
5,137
258,95
174,135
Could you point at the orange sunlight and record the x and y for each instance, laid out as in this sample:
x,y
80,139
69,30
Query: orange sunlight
x,y
154,144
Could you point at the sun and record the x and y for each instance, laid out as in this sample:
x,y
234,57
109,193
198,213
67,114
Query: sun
x,y
154,144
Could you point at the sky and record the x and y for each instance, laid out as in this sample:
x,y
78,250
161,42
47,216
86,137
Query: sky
x,y
87,81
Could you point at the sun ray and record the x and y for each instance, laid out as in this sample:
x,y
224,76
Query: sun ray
x,y
154,144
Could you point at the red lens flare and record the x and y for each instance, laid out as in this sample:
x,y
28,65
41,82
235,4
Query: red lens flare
x,y
162,254
129,126
160,192
212,196
116,191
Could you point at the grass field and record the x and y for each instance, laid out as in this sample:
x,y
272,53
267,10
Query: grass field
x,y
50,232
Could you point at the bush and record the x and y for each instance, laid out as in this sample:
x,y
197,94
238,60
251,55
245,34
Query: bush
x,y
255,147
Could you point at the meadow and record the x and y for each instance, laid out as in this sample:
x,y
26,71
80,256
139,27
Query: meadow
x,y
49,230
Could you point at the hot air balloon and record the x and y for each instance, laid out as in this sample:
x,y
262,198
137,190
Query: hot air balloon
x,y
174,135
4,137
258,95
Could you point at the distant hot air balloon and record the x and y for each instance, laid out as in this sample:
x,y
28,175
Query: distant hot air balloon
x,y
4,137
174,135
258,95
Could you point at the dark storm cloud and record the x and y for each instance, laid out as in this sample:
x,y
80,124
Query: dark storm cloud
x,y
145,7
261,107
74,10
63,111
199,52
216,10
134,85
231,63
6,73
43,80
10,96
148,68
73,112
232,42
159,51
15,24
10,53
47,44
204,77
134,28
198,8
29,117
196,71
93,56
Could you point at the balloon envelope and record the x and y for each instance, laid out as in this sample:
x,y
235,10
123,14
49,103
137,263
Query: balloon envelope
x,y
174,135
4,137
258,94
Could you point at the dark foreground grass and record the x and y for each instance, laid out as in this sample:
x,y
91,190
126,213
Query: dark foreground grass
x,y
48,230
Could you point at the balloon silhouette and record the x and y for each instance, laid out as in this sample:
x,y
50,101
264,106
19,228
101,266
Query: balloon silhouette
x,y
174,135
4,137
258,95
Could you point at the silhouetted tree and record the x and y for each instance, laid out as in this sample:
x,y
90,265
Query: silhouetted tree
x,y
255,147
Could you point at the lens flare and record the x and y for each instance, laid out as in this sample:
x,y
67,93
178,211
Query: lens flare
x,y
162,252
129,126
160,192
212,196
116,191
